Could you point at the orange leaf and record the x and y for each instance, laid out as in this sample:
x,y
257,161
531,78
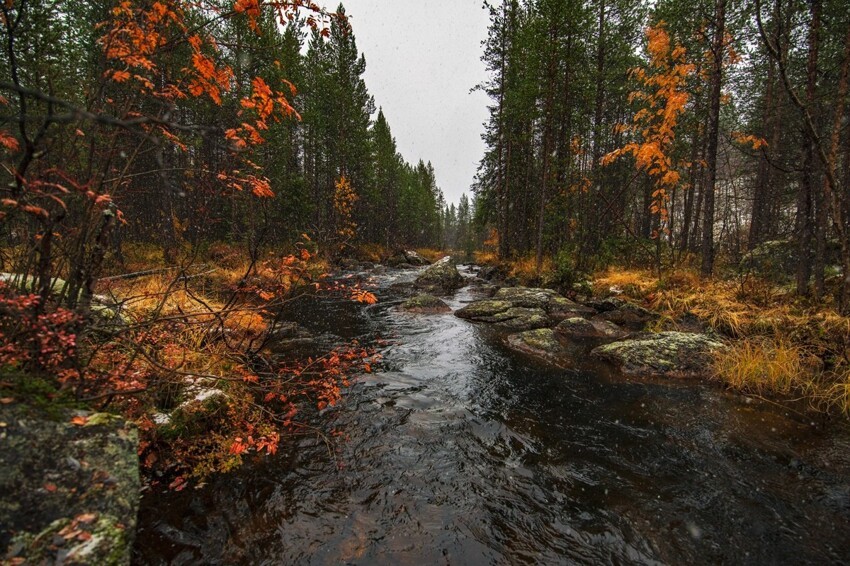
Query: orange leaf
x,y
79,420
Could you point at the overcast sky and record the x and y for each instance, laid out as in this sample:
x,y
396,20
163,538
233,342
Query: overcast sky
x,y
422,59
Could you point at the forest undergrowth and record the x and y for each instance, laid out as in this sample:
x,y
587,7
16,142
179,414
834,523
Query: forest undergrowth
x,y
182,351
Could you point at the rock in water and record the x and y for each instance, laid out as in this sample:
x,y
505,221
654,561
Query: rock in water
x,y
440,278
539,343
76,485
577,328
425,304
666,354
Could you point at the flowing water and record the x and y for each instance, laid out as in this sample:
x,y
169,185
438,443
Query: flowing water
x,y
459,452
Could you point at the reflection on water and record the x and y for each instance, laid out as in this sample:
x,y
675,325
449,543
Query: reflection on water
x,y
461,453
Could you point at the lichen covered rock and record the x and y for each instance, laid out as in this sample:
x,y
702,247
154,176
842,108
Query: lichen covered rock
x,y
425,304
629,315
68,492
668,354
540,343
441,277
577,328
520,318
483,310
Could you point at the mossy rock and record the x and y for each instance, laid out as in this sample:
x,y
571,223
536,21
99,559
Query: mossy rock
x,y
667,354
540,343
561,308
425,304
68,493
577,328
528,297
441,277
629,315
483,310
520,318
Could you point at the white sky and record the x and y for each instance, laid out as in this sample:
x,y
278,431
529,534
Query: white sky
x,y
422,58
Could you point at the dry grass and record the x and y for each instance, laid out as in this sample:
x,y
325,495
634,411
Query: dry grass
x,y
764,366
633,283
525,269
838,394
486,258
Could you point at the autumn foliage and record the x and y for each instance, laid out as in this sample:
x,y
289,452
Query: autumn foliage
x,y
181,351
663,98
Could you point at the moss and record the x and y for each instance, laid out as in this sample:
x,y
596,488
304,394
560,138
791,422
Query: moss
x,y
485,308
528,297
519,318
664,353
425,303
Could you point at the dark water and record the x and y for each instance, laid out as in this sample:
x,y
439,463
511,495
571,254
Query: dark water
x,y
461,453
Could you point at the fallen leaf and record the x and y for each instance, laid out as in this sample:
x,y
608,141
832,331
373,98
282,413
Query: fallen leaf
x,y
79,421
7,400
50,487
86,518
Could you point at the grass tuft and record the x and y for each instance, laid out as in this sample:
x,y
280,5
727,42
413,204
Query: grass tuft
x,y
764,366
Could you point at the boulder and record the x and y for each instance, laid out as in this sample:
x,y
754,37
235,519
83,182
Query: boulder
x,y
582,329
521,318
561,308
425,304
413,258
442,277
407,259
69,493
539,343
527,297
667,354
607,304
523,307
484,310
629,315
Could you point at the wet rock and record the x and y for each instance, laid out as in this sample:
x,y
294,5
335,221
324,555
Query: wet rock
x,y
521,318
668,354
484,310
526,296
607,304
561,308
348,264
73,485
629,315
413,258
491,272
407,259
521,308
582,329
540,343
425,304
289,336
440,278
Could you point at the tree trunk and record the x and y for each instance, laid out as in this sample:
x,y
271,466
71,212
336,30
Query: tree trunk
x,y
717,48
805,196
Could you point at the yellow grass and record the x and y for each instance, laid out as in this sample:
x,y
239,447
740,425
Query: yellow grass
x,y
486,258
763,366
633,283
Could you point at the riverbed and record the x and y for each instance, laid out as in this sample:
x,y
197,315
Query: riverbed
x,y
458,451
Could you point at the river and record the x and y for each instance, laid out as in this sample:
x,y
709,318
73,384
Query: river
x,y
460,452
